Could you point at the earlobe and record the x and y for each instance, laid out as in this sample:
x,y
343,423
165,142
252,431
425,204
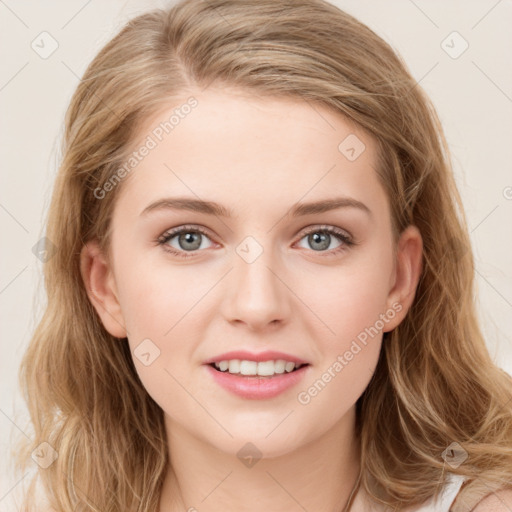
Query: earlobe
x,y
101,290
409,265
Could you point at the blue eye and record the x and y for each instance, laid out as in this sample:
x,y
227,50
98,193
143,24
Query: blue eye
x,y
189,239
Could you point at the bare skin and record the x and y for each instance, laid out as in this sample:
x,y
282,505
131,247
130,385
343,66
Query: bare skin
x,y
257,157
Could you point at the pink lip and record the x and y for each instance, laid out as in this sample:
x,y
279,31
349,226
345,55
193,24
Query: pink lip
x,y
254,387
269,355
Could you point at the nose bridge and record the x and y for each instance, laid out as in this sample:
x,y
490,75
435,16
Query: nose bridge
x,y
258,296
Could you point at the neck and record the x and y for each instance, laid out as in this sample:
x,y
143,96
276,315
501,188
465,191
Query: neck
x,y
319,475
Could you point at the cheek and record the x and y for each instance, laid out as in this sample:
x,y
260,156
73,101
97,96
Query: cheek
x,y
353,312
155,296
164,304
352,308
349,299
335,388
352,305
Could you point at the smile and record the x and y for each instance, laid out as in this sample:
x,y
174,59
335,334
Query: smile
x,y
261,368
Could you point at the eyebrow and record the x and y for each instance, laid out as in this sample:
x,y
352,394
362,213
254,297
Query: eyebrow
x,y
212,208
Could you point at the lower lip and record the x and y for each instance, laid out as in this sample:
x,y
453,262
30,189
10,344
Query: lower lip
x,y
254,387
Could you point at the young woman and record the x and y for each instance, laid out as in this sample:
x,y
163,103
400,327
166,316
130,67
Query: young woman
x,y
261,296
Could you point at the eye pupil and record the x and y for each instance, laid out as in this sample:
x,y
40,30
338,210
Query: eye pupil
x,y
188,238
322,238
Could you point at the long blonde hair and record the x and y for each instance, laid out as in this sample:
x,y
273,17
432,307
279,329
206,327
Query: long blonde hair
x,y
435,383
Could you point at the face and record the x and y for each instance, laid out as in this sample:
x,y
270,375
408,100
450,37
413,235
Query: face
x,y
262,273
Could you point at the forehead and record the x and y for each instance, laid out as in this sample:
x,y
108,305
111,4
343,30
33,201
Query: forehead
x,y
248,151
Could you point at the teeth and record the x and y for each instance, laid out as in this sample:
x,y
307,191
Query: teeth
x,y
262,369
248,367
267,368
279,366
289,367
233,365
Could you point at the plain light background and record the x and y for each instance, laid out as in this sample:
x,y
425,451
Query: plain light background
x,y
471,91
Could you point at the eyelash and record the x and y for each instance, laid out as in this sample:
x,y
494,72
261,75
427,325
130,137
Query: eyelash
x,y
169,235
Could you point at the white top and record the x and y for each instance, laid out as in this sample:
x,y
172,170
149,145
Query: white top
x,y
447,496
442,504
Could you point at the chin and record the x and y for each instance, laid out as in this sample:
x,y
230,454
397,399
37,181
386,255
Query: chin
x,y
268,444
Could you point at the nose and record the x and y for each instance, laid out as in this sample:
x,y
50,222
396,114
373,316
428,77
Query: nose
x,y
257,295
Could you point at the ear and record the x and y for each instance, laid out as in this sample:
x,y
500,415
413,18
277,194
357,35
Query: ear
x,y
408,267
101,289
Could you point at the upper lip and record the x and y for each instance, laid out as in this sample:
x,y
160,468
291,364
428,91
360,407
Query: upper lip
x,y
269,355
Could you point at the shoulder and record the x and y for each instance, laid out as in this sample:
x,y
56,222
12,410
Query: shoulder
x,y
499,501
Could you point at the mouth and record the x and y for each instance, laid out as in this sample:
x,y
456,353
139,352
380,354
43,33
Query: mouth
x,y
254,369
260,376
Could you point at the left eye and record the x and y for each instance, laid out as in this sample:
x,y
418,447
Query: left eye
x,y
320,239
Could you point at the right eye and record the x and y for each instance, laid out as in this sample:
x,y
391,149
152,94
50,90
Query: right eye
x,y
188,240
